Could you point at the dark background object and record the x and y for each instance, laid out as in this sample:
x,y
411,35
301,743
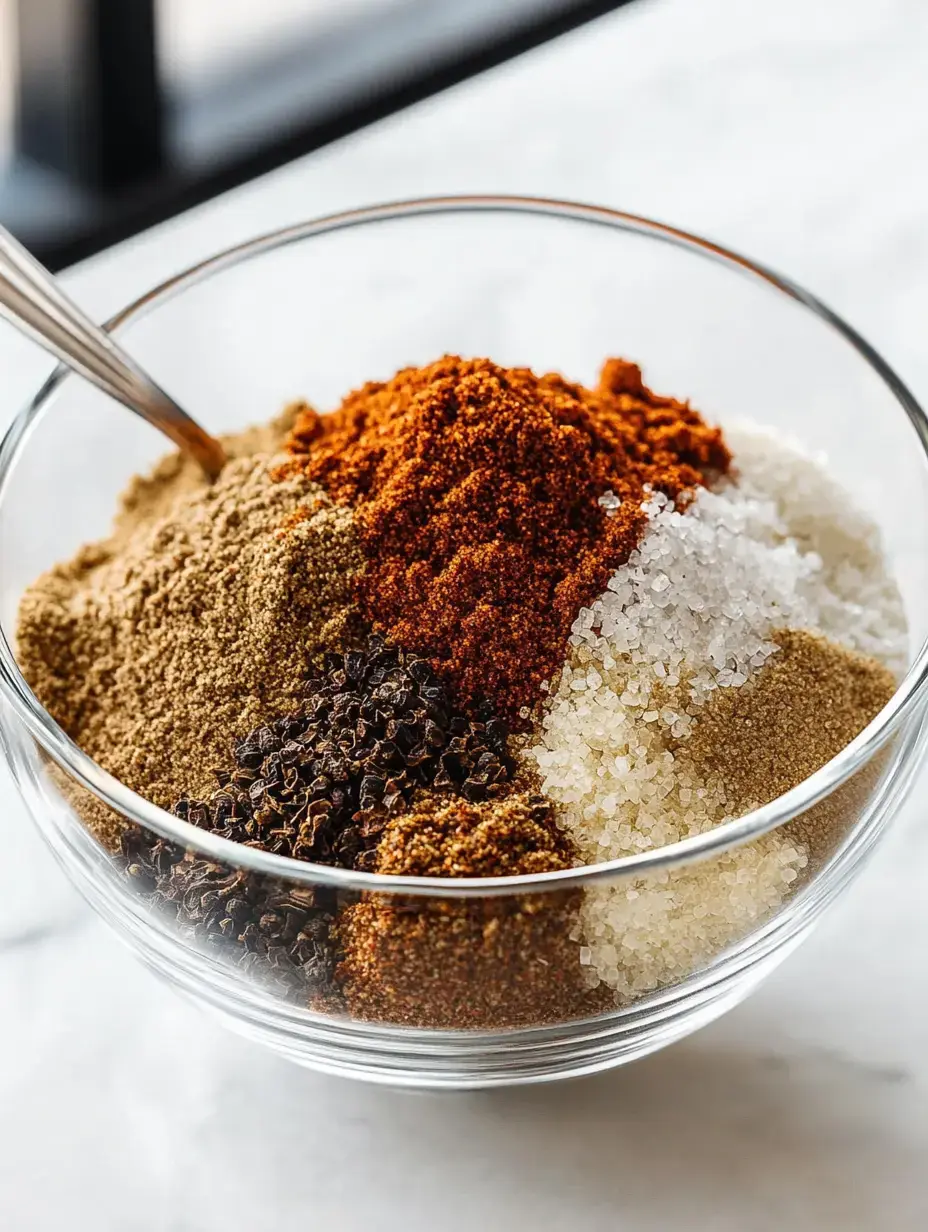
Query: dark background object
x,y
89,99
101,151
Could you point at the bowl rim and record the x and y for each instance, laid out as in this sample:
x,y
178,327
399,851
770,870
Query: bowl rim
x,y
66,754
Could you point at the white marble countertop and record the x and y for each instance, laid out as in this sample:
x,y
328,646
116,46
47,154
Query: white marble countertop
x,y
795,131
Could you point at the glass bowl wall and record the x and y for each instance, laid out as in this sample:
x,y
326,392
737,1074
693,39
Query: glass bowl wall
x,y
310,313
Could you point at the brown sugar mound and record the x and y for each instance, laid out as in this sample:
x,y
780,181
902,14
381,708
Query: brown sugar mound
x,y
804,706
486,963
477,494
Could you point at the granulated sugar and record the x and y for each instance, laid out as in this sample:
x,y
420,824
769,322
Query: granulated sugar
x,y
698,598
694,612
652,931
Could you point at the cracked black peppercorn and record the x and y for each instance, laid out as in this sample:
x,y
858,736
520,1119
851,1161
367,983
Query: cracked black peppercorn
x,y
321,785
277,932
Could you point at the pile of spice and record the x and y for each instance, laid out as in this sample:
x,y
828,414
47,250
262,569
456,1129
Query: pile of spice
x,y
488,962
475,622
491,504
322,783
201,615
276,932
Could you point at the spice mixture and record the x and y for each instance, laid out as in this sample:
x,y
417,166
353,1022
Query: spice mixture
x,y
653,733
474,623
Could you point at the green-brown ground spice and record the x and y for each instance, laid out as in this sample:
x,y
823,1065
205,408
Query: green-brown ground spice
x,y
198,618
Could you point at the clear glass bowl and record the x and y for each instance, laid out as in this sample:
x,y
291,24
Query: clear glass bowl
x,y
311,312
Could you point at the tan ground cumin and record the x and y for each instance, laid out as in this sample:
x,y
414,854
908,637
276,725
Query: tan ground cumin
x,y
198,617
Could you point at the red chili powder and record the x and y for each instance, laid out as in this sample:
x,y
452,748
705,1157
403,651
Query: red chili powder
x,y
476,490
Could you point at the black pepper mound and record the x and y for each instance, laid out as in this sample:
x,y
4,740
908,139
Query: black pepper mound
x,y
321,785
277,932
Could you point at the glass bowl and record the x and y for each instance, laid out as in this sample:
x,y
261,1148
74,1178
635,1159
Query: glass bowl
x,y
313,311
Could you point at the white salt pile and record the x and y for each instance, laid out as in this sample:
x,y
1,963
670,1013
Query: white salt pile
x,y
778,545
